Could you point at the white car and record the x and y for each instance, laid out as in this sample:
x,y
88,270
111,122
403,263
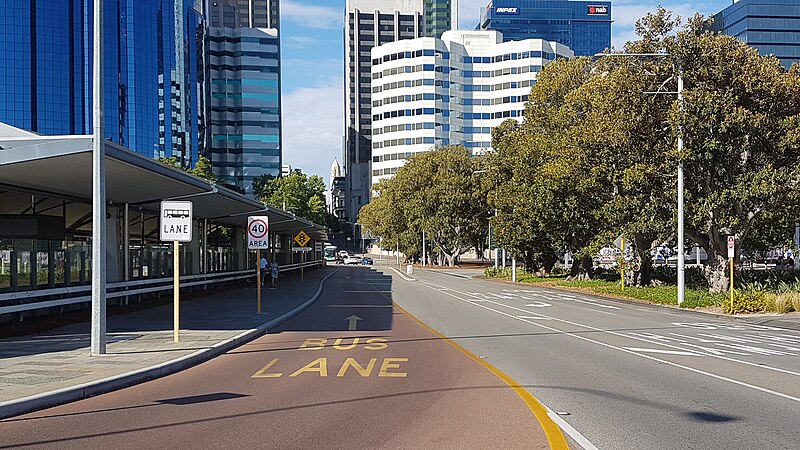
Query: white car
x,y
352,259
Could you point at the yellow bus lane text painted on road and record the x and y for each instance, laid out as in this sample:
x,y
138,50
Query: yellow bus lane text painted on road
x,y
389,367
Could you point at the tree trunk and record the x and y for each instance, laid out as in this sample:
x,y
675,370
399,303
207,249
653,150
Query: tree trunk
x,y
716,272
549,260
645,259
575,268
582,270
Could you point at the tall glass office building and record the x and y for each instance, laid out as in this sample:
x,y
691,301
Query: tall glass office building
x,y
244,109
771,26
583,26
153,70
243,91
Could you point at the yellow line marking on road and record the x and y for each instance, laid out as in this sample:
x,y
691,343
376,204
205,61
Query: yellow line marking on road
x,y
262,373
554,435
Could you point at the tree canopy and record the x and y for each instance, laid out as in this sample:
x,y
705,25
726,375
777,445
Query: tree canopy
x,y
596,155
298,193
202,169
440,192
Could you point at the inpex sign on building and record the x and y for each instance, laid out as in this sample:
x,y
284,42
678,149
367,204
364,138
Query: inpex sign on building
x,y
507,10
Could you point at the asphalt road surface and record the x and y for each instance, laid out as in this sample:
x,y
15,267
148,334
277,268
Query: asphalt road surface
x,y
352,371
622,375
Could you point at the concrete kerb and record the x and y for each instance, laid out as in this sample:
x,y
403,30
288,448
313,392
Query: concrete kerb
x,y
763,321
402,275
70,394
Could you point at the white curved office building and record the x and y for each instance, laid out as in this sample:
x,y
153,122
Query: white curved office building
x,y
429,92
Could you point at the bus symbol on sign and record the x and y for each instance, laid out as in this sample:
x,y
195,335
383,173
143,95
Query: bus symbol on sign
x,y
176,213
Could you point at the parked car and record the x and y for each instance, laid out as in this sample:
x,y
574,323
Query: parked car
x,y
352,259
366,261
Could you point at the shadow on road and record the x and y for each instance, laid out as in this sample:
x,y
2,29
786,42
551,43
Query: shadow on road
x,y
356,299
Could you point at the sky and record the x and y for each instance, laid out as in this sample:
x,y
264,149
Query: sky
x,y
312,34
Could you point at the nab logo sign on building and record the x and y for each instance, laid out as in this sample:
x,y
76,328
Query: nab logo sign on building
x,y
176,221
598,10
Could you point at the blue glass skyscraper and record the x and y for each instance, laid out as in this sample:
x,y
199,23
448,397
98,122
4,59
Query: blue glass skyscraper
x,y
771,26
243,128
583,26
152,64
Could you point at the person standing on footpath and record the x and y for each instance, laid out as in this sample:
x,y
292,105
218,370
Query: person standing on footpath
x,y
274,270
264,269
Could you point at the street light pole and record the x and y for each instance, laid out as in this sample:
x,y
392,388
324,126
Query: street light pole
x,y
681,268
98,331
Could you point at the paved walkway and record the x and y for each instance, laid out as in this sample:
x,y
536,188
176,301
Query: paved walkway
x,y
43,370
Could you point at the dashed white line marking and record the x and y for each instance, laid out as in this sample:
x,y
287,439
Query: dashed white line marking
x,y
665,352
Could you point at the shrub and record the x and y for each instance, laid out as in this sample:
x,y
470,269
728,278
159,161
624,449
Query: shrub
x,y
796,302
781,302
747,302
497,272
694,276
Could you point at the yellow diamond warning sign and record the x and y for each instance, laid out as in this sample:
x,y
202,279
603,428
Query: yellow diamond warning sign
x,y
302,238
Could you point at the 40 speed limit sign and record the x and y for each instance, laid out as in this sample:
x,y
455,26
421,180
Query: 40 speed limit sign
x,y
257,232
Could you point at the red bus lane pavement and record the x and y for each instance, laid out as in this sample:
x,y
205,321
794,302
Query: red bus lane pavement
x,y
352,371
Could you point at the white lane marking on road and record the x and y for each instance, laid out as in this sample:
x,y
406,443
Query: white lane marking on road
x,y
533,317
665,352
572,432
663,361
603,312
586,301
539,305
364,292
359,306
713,352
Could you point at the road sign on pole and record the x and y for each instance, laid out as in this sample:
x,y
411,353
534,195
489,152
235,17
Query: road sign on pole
x,y
176,221
302,238
176,226
731,255
731,244
258,232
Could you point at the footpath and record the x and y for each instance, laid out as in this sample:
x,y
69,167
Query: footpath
x,y
56,367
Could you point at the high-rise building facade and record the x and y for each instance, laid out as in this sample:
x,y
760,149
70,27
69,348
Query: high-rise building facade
x,y
243,131
368,24
152,71
583,26
244,13
429,92
437,17
771,26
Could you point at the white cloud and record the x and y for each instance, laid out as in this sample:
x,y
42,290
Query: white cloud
x,y
312,16
313,127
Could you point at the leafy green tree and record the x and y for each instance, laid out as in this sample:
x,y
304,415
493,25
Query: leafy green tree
x,y
438,192
203,168
298,193
740,118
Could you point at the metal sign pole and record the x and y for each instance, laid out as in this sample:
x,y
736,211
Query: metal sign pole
x,y
622,273
176,275
302,266
98,331
258,278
